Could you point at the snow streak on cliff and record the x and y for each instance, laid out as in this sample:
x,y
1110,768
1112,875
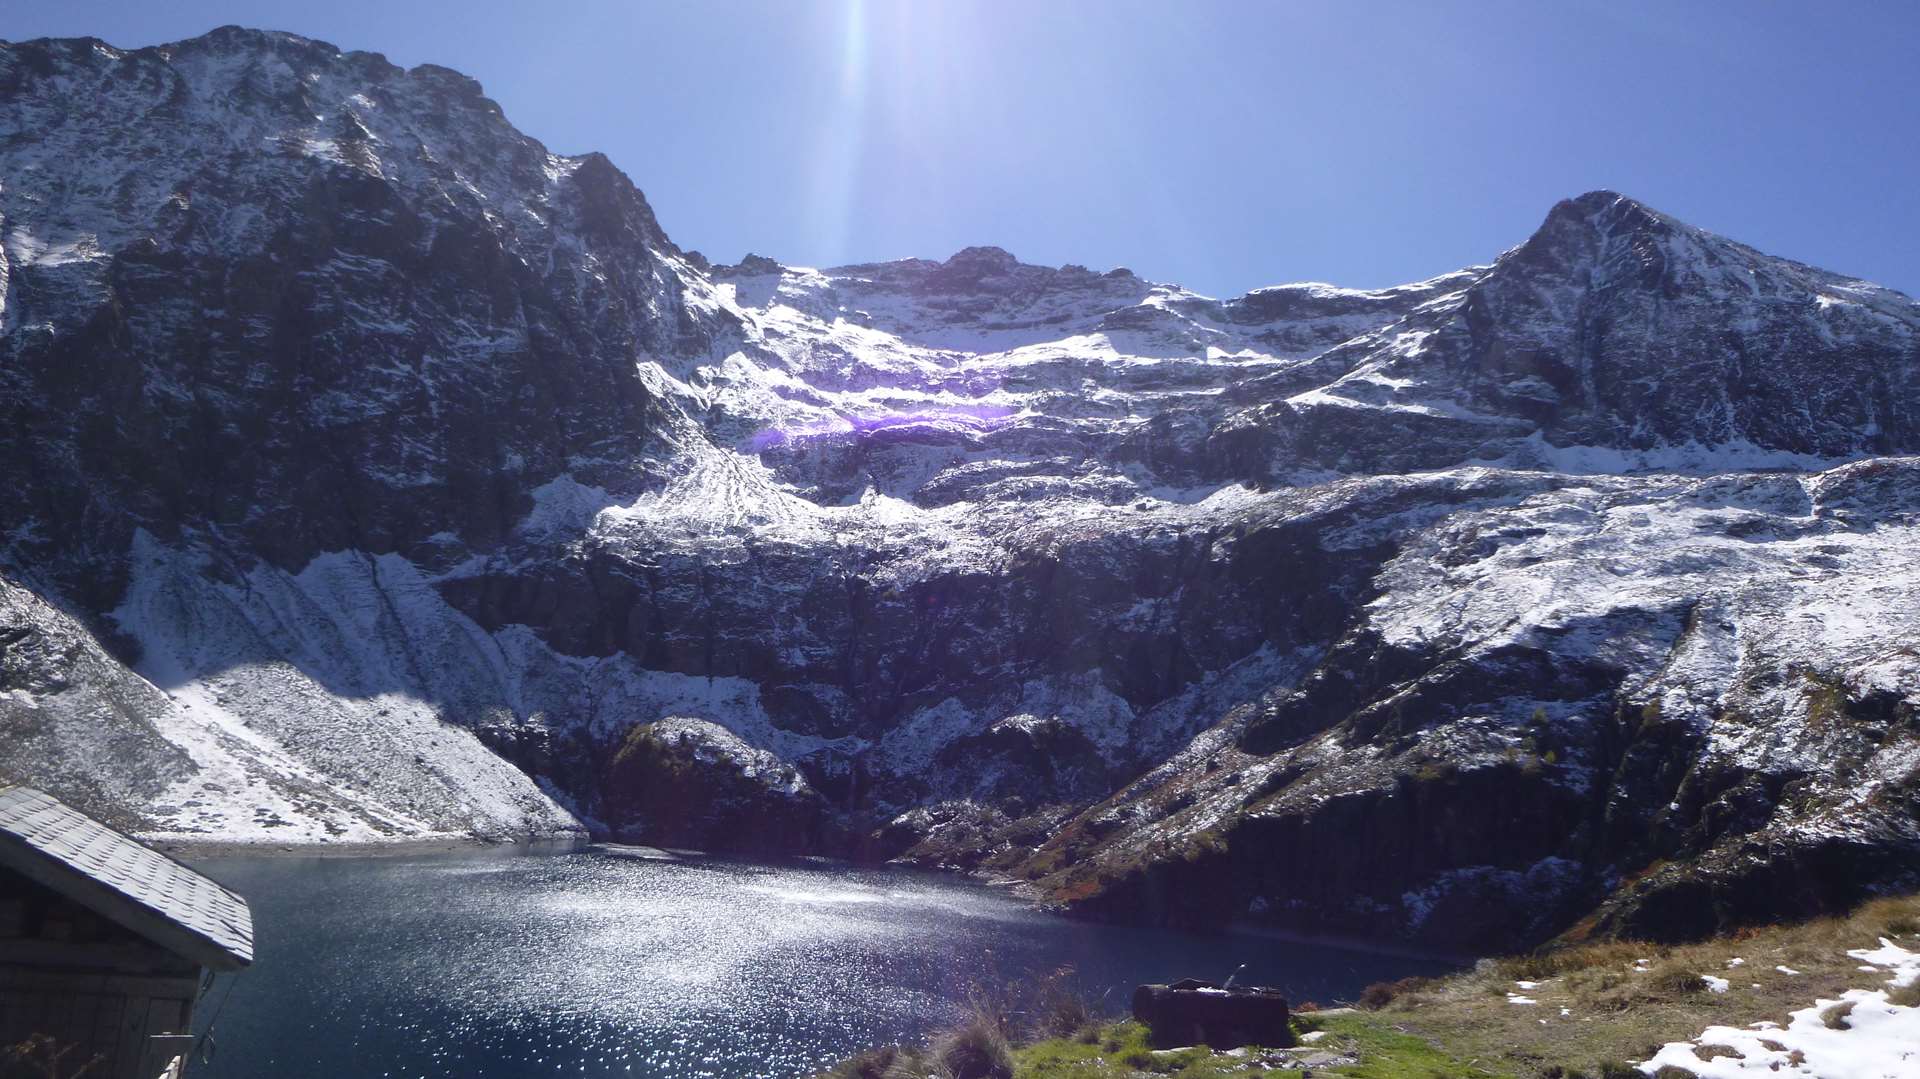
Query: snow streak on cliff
x,y
370,471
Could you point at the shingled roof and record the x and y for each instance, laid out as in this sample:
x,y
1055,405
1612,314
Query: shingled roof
x,y
119,878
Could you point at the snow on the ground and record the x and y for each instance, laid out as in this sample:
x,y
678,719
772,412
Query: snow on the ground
x,y
1877,1039
304,718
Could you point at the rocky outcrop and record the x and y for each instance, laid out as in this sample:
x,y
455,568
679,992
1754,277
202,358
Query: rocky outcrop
x,y
370,471
74,718
690,783
309,300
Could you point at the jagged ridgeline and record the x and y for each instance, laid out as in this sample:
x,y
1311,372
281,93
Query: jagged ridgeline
x,y
371,471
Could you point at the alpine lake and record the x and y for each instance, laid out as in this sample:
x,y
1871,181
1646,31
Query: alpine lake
x,y
595,961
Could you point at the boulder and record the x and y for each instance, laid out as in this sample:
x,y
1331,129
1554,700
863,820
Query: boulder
x,y
1191,1012
685,782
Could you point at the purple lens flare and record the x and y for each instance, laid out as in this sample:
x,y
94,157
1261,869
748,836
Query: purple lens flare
x,y
981,418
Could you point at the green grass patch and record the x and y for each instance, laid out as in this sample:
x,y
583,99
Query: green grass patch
x,y
1389,1053
1121,1048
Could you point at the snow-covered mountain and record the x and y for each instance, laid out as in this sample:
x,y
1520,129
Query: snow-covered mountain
x,y
370,471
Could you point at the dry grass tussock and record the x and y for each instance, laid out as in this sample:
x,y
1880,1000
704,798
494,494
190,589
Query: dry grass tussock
x,y
43,1057
976,1049
1609,1001
981,1044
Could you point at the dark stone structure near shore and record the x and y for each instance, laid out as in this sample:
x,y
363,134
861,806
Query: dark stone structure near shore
x,y
1192,1012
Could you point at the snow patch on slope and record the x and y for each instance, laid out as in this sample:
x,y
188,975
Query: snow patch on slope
x,y
338,744
1877,1039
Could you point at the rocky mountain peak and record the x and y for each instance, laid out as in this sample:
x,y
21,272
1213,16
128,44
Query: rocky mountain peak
x,y
1607,210
1600,232
750,265
1615,325
236,38
425,477
985,257
612,209
972,268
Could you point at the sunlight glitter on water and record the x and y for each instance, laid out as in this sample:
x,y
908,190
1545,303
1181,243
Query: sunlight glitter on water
x,y
499,967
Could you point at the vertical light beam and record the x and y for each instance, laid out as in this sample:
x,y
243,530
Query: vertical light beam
x,y
837,154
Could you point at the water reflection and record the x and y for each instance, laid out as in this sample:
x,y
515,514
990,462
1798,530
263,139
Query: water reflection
x,y
501,966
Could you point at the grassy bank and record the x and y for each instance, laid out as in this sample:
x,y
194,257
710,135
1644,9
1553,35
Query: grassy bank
x,y
1344,1043
1621,1000
1564,1013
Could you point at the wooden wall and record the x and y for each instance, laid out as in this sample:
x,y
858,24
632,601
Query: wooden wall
x,y
97,989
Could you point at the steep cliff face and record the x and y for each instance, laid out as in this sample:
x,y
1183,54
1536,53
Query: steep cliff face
x,y
308,300
1676,702
370,471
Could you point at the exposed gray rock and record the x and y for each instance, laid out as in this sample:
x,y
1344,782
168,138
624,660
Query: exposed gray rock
x,y
368,470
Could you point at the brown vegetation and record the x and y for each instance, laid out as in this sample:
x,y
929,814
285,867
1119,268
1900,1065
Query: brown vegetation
x,y
1623,999
43,1057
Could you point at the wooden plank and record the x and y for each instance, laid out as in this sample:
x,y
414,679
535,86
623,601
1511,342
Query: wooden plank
x,y
77,1027
65,1022
116,1018
131,1044
163,1022
84,1030
14,1018
74,1021
131,957
13,917
106,1021
163,1018
33,980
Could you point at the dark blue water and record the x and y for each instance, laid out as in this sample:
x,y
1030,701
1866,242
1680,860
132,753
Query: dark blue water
x,y
505,966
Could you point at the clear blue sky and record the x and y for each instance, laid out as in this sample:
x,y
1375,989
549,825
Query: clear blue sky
x,y
1220,146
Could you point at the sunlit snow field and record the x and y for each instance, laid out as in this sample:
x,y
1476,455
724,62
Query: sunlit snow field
x,y
587,964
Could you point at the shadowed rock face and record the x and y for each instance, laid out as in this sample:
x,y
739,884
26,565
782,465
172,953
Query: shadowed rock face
x,y
690,783
307,299
370,471
1617,325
